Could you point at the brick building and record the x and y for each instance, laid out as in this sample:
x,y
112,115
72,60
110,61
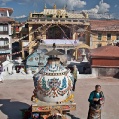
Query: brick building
x,y
103,32
105,60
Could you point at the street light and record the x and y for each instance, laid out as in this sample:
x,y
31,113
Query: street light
x,y
38,40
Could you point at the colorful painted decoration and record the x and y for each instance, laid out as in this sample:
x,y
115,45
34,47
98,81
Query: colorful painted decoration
x,y
54,82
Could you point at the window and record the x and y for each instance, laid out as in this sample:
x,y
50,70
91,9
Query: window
x,y
117,37
109,36
99,36
99,45
4,41
3,28
2,15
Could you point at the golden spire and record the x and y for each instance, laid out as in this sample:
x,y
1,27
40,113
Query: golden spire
x,y
54,6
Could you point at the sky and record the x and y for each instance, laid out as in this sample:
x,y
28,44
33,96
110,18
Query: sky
x,y
22,8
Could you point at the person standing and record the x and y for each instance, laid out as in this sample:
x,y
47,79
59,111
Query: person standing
x,y
96,100
1,77
75,77
1,74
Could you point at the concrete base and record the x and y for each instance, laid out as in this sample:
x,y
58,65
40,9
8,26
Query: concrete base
x,y
93,75
17,77
105,71
85,76
108,71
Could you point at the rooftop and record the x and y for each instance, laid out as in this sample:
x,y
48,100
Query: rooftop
x,y
105,51
58,13
5,10
6,20
104,25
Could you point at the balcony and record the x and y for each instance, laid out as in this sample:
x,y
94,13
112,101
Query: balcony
x,y
3,32
4,47
59,20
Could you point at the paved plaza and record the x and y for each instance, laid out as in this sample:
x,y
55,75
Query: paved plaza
x,y
16,95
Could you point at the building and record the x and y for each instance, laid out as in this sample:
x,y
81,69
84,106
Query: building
x,y
5,31
56,24
19,31
103,32
38,57
105,60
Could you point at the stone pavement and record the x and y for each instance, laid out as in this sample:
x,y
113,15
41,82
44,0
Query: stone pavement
x,y
16,94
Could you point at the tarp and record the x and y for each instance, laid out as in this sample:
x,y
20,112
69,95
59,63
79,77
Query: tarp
x,y
61,41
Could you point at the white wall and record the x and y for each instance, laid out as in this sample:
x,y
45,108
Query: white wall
x,y
9,29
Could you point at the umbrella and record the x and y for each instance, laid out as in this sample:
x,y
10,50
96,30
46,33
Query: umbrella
x,y
82,46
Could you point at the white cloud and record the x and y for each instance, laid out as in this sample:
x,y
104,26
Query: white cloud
x,y
101,8
100,11
3,2
71,4
116,6
22,16
21,3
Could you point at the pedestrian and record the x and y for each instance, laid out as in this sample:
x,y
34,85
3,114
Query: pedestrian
x,y
75,77
1,77
96,100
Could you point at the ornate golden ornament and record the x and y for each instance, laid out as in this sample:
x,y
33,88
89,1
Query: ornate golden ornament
x,y
58,12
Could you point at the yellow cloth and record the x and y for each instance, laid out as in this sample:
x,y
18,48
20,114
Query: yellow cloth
x,y
75,74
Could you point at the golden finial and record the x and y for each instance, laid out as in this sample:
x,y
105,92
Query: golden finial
x,y
54,6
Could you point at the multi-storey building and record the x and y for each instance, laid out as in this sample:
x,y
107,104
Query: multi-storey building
x,y
5,31
103,32
57,24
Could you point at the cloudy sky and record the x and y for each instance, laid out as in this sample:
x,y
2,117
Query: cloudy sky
x,y
24,7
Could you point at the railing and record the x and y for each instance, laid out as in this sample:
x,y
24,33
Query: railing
x,y
102,40
62,20
3,32
4,47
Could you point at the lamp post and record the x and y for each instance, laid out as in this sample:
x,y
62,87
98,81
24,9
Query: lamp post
x,y
39,37
10,46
